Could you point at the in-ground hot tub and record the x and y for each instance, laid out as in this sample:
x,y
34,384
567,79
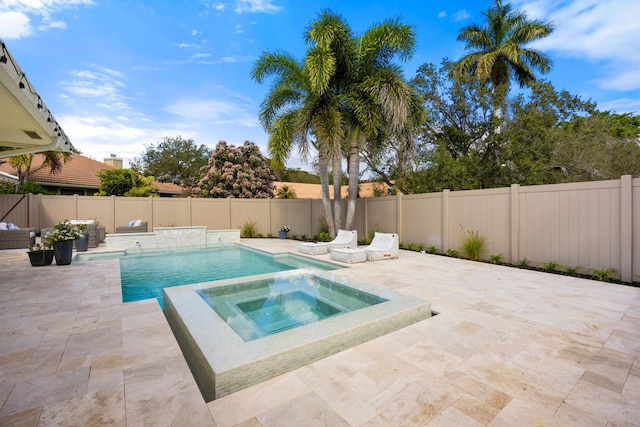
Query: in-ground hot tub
x,y
278,322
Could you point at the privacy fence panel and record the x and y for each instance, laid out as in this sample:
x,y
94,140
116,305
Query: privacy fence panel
x,y
171,212
127,209
486,212
57,208
90,207
294,213
15,209
215,214
257,211
422,220
382,215
576,225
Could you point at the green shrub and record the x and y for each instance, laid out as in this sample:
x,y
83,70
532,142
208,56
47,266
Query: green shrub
x,y
324,236
524,263
496,259
571,271
603,275
269,235
550,266
248,229
452,253
433,250
259,235
473,244
417,247
373,229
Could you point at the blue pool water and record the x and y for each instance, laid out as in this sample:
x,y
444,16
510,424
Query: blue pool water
x,y
143,276
265,307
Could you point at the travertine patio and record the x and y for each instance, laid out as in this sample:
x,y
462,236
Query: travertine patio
x,y
509,347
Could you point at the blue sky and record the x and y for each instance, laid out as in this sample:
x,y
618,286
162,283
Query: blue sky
x,y
121,74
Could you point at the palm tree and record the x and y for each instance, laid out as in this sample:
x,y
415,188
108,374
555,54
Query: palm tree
x,y
498,53
286,192
52,160
294,110
345,94
378,100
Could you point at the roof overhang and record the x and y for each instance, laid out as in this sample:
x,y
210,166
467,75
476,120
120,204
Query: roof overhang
x,y
26,124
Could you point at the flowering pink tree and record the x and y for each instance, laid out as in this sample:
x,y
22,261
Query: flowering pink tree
x,y
239,172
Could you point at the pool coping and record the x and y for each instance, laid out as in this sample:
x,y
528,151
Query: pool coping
x,y
223,363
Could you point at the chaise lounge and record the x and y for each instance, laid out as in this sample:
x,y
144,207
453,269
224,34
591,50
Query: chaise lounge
x,y
383,246
344,239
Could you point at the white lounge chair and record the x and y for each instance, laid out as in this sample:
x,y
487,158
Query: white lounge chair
x,y
344,239
383,246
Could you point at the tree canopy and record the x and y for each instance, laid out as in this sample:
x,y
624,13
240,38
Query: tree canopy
x,y
238,172
125,182
173,160
498,53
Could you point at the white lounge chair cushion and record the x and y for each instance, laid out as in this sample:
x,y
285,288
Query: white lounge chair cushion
x,y
349,255
312,248
383,246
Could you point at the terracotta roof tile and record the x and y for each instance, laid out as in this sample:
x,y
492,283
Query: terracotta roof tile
x,y
78,171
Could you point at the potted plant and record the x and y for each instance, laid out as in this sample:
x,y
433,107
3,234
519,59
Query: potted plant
x,y
284,230
63,235
40,254
82,244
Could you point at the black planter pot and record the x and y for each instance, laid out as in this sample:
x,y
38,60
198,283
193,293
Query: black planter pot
x,y
82,244
41,258
63,252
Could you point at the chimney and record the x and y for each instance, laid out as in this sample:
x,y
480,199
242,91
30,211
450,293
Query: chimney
x,y
114,161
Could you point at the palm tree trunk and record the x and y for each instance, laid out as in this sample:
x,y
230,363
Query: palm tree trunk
x,y
323,169
337,191
354,180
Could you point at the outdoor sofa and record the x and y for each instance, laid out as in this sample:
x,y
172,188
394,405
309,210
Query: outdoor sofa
x,y
138,226
17,239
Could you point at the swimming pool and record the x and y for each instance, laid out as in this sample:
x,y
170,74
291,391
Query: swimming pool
x,y
223,362
269,306
144,274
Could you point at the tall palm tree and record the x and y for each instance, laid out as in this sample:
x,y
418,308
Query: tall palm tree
x,y
345,94
498,53
378,100
297,112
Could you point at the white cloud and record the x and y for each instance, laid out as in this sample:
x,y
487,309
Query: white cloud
x,y
252,6
621,105
14,25
460,15
103,83
16,16
223,111
442,14
607,33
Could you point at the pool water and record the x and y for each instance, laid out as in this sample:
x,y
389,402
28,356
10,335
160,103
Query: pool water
x,y
265,307
143,276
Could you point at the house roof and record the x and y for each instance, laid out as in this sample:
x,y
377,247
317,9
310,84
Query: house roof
x,y
79,172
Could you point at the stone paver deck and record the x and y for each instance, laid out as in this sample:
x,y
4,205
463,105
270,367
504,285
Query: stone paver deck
x,y
509,347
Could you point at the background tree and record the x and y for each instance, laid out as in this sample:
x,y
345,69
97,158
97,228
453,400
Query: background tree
x,y
173,160
498,53
286,192
53,160
125,182
239,172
